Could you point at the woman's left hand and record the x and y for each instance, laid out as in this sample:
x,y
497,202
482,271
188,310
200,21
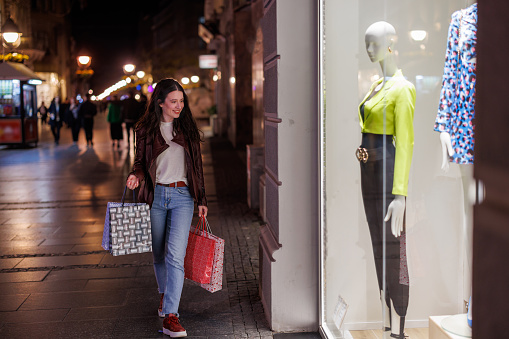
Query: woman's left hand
x,y
202,210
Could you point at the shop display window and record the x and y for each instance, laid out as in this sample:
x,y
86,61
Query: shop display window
x,y
8,93
398,94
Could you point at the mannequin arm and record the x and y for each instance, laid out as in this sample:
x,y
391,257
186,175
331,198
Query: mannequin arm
x,y
396,212
447,151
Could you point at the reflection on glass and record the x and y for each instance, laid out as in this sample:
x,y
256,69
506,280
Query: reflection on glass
x,y
418,34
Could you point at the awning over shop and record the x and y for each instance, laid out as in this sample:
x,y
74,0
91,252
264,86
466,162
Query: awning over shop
x,y
13,70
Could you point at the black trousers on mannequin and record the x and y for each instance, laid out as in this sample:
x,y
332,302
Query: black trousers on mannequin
x,y
373,193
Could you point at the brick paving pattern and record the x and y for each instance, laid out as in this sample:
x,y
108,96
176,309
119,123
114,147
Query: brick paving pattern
x,y
57,282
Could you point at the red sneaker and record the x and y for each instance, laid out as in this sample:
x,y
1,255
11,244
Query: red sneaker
x,y
160,309
172,327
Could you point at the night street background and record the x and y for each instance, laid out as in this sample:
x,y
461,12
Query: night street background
x,y
108,30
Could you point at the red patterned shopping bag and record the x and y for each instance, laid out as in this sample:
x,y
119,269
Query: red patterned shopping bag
x,y
216,279
198,263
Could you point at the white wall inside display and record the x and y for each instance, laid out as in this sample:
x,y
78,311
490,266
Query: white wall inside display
x,y
435,243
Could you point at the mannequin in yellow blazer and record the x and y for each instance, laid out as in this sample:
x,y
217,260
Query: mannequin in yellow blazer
x,y
394,102
386,118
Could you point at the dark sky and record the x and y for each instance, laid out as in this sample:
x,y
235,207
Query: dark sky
x,y
107,29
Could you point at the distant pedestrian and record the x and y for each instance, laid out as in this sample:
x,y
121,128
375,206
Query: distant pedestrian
x,y
142,105
43,112
74,120
130,115
86,112
103,106
56,117
65,106
167,136
115,120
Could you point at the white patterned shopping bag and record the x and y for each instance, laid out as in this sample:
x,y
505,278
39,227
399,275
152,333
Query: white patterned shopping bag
x,y
127,228
216,279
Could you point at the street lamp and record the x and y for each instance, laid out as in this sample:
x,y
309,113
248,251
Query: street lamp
x,y
140,74
129,69
11,36
84,61
83,72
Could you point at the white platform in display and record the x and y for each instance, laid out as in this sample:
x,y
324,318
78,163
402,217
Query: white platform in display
x,y
456,324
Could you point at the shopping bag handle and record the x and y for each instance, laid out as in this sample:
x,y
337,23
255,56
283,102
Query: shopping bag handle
x,y
203,225
123,196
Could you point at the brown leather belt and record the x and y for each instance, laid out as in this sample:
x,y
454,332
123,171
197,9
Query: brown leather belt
x,y
174,184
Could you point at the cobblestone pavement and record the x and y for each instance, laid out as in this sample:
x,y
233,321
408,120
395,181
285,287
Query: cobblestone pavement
x,y
57,282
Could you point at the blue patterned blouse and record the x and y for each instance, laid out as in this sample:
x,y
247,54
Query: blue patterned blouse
x,y
457,97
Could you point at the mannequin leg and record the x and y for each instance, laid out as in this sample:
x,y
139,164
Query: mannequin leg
x,y
469,193
398,323
473,193
394,324
386,315
386,312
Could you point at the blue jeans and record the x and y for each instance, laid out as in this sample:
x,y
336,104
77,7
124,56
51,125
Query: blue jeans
x,y
171,216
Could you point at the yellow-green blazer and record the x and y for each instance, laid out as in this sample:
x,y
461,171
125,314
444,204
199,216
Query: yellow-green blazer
x,y
396,102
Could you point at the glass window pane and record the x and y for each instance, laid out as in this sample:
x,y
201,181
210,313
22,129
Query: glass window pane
x,y
383,119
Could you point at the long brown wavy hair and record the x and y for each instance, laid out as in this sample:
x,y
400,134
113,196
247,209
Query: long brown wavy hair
x,y
151,119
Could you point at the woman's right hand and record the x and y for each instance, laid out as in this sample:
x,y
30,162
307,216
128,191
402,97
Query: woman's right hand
x,y
132,182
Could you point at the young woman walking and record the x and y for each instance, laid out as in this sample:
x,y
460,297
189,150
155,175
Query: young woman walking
x,y
168,168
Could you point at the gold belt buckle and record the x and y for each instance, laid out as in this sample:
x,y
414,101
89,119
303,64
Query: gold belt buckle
x,y
362,154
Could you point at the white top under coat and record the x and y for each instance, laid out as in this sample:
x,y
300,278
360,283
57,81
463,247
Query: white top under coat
x,y
171,165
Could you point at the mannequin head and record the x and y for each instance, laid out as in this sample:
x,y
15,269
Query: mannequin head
x,y
379,40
